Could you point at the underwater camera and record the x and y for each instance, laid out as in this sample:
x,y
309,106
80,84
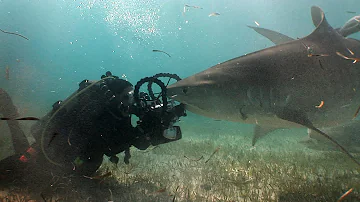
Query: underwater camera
x,y
157,114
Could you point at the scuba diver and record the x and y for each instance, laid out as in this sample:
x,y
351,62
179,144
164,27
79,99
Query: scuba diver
x,y
92,122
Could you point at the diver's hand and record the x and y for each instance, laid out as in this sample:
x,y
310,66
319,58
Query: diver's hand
x,y
108,74
141,139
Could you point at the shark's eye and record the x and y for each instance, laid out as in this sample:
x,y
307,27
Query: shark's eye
x,y
185,90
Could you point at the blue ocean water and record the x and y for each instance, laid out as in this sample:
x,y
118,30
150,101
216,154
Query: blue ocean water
x,y
73,40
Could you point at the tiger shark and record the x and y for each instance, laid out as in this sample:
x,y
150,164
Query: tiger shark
x,y
300,83
344,134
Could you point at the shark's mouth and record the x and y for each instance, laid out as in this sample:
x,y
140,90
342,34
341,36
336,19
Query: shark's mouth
x,y
195,109
191,107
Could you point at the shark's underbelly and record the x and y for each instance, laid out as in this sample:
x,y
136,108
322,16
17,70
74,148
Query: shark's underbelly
x,y
260,107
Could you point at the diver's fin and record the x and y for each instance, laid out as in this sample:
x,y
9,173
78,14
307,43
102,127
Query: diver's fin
x,y
8,110
276,37
300,117
261,131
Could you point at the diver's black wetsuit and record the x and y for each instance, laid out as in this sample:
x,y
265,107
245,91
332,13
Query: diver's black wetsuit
x,y
94,121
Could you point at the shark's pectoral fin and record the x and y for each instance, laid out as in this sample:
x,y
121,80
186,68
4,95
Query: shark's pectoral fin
x,y
261,131
295,116
276,37
300,117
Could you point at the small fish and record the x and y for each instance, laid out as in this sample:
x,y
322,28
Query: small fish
x,y
161,190
310,52
321,66
213,14
173,200
356,112
6,32
52,138
320,105
345,195
7,73
193,6
348,58
194,159
216,150
20,119
28,119
257,23
352,53
160,51
100,177
352,12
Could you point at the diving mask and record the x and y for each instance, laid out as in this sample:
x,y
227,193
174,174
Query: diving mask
x,y
172,133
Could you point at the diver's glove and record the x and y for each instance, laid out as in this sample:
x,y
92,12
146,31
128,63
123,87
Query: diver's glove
x,y
108,74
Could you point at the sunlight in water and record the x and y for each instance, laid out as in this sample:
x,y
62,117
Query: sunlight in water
x,y
137,16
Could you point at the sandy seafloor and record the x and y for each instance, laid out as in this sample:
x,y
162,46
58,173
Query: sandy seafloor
x,y
278,168
74,40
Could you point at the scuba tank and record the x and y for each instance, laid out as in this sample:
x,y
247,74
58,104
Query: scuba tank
x,y
56,133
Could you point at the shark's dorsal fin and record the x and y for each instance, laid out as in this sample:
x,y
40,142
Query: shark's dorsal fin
x,y
323,28
318,18
317,15
276,37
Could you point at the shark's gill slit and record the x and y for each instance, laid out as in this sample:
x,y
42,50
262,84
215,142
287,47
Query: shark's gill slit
x,y
262,96
243,115
254,97
274,96
248,94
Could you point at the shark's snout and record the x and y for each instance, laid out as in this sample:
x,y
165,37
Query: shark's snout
x,y
190,92
177,91
191,87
